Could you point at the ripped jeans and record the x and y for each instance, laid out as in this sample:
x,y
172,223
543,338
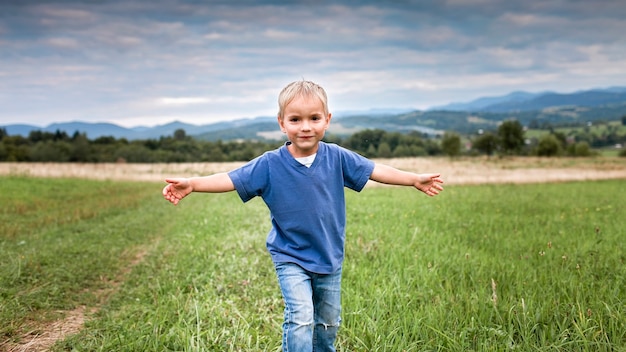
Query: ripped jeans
x,y
312,308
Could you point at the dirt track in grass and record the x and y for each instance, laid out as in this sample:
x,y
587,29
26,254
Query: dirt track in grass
x,y
40,337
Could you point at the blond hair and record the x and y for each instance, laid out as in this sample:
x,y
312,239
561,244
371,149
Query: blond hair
x,y
301,88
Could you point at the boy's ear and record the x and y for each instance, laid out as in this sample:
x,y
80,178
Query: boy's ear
x,y
280,124
328,120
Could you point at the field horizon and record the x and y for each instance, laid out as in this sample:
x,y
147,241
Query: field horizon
x,y
457,171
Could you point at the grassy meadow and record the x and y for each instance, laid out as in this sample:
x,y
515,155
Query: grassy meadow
x,y
536,267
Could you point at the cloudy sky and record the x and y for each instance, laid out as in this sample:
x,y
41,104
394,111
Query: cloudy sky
x,y
135,62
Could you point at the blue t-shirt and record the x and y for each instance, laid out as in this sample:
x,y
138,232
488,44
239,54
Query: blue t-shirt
x,y
307,204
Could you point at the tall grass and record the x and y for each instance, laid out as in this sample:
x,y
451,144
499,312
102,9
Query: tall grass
x,y
479,268
534,267
63,243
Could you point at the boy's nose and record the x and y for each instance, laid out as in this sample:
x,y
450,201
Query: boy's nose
x,y
306,125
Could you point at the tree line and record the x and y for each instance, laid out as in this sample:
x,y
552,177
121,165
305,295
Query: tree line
x,y
508,139
42,146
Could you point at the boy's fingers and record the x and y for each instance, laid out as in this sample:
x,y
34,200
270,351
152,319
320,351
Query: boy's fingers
x,y
167,190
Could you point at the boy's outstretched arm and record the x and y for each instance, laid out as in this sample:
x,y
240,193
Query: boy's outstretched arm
x,y
427,183
178,188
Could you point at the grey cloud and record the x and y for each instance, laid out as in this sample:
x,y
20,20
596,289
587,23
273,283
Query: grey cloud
x,y
119,57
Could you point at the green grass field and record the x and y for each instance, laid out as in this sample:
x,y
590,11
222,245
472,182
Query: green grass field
x,y
478,268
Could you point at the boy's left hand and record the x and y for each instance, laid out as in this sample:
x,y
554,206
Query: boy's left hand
x,y
430,184
176,189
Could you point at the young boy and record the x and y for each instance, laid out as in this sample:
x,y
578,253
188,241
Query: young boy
x,y
302,183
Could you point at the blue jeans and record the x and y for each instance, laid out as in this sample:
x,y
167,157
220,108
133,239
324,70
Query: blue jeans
x,y
312,308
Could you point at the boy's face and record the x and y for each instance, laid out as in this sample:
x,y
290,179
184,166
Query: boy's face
x,y
305,123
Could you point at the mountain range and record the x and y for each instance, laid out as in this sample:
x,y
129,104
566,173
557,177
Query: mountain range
x,y
523,101
482,113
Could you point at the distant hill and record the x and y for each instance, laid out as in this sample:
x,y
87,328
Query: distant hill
x,y
481,104
523,101
484,113
551,100
95,130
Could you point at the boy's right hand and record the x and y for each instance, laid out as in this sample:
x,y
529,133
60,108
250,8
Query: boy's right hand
x,y
176,189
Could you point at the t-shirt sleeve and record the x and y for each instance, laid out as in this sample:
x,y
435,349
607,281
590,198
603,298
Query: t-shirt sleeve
x,y
357,169
251,179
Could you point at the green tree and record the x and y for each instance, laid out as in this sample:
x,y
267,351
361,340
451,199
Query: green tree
x,y
401,151
392,139
180,134
416,150
511,137
4,154
451,144
561,137
212,152
384,150
582,149
61,136
245,152
549,145
16,148
134,153
80,151
371,151
40,136
105,140
486,143
361,141
51,151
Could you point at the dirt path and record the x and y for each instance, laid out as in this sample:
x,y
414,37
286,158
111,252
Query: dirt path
x,y
41,337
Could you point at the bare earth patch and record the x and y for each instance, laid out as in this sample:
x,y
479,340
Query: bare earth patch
x,y
41,337
461,171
